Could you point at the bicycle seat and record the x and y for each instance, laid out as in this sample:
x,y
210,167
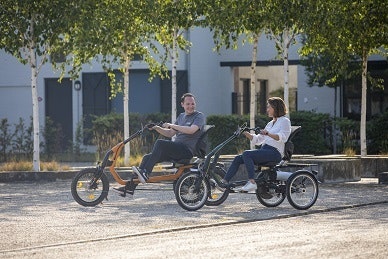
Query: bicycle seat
x,y
200,147
288,149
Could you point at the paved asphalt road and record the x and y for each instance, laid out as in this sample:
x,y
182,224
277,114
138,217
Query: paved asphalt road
x,y
41,220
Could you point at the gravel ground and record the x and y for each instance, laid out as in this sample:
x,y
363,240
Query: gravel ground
x,y
41,220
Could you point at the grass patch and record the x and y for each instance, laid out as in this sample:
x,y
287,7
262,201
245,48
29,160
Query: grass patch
x,y
133,161
349,151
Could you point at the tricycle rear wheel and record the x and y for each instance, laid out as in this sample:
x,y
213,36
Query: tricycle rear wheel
x,y
302,190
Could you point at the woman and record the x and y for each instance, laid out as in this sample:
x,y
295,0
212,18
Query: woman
x,y
272,139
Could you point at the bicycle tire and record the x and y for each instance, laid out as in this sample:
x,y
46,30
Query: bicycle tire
x,y
270,194
302,190
217,195
188,196
85,194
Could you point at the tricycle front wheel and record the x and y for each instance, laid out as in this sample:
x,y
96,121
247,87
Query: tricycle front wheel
x,y
217,195
192,191
87,190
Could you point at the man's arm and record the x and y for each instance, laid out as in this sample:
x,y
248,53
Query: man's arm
x,y
184,129
169,133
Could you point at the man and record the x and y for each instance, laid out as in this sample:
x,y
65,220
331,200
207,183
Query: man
x,y
184,135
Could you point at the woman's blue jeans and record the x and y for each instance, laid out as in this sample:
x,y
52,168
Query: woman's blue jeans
x,y
251,157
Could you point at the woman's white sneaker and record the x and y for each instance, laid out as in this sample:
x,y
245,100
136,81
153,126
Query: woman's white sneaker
x,y
249,187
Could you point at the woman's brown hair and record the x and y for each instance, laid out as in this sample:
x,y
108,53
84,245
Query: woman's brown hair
x,y
278,105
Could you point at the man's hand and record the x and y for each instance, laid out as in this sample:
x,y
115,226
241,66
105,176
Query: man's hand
x,y
167,125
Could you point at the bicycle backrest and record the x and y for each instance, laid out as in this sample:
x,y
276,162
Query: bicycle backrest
x,y
289,146
201,146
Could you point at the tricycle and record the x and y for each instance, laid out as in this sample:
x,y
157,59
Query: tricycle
x,y
90,186
274,181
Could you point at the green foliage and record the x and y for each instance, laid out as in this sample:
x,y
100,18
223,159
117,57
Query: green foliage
x,y
22,143
53,138
311,139
324,69
377,134
349,133
18,144
77,145
5,139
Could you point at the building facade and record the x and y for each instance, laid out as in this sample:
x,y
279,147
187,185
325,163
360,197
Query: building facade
x,y
220,81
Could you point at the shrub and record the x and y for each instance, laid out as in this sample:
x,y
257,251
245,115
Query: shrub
x,y
225,126
377,134
314,137
5,139
108,130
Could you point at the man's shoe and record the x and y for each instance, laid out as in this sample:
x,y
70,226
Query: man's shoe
x,y
141,174
122,191
223,184
249,187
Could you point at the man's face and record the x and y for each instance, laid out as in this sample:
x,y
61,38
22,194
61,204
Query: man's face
x,y
188,104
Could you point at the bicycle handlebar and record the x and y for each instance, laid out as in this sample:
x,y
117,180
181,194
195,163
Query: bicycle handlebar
x,y
150,125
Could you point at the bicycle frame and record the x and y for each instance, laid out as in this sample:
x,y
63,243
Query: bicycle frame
x,y
112,155
211,159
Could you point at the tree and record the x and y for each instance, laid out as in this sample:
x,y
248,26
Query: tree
x,y
283,26
358,28
232,19
30,29
175,18
114,31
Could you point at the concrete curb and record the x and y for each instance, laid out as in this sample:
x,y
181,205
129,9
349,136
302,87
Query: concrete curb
x,y
25,176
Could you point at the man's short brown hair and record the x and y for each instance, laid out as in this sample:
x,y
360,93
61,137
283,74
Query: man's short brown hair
x,y
186,95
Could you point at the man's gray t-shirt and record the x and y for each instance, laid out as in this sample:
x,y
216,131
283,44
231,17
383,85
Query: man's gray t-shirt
x,y
190,140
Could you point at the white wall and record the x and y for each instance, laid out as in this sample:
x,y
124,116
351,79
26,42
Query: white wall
x,y
208,81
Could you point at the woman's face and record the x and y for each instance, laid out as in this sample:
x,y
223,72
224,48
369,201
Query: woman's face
x,y
188,104
270,110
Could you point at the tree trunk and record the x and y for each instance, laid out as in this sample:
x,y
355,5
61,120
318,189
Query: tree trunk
x,y
253,85
35,111
126,110
286,72
173,79
35,101
363,104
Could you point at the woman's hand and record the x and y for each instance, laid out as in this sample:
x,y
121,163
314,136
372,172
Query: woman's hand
x,y
248,135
